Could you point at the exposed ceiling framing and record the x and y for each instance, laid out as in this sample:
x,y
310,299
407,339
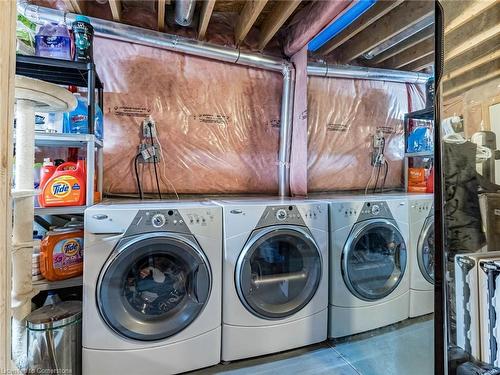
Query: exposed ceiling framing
x,y
116,9
409,43
402,17
161,15
395,32
418,51
206,12
472,37
247,18
273,22
379,10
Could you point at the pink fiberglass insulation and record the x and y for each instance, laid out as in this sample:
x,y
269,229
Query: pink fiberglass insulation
x,y
309,22
343,115
218,123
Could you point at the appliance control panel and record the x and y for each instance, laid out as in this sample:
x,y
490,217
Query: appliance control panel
x,y
165,220
422,206
377,209
286,214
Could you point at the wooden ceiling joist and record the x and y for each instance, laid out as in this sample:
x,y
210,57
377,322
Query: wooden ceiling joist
x,y
116,9
408,43
275,20
402,17
471,78
73,6
161,15
468,14
377,11
472,42
475,82
206,12
419,64
410,55
486,59
247,18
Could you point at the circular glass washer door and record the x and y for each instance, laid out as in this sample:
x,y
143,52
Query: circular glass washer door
x,y
278,271
374,259
153,286
425,250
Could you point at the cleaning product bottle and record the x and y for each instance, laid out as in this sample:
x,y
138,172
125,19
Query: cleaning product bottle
x,y
66,186
61,253
46,172
53,40
77,121
84,35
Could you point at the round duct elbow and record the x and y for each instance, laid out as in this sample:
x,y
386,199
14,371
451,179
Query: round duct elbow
x,y
184,11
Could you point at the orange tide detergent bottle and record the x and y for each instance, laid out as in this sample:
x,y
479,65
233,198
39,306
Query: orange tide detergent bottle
x,y
61,253
65,187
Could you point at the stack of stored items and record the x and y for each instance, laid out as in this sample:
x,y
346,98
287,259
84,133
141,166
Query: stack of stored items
x,y
476,293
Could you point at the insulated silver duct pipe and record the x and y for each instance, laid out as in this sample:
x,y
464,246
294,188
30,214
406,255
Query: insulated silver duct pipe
x,y
184,10
118,31
359,72
156,39
286,130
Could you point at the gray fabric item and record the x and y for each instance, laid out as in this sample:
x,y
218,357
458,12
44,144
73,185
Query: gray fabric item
x,y
463,227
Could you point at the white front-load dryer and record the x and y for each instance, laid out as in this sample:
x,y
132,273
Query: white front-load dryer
x,y
151,288
369,278
275,276
421,251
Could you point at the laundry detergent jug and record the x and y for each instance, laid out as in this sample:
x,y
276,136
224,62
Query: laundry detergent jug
x,y
66,186
61,253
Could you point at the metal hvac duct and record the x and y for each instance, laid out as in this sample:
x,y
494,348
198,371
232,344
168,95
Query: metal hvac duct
x,y
359,72
184,10
151,38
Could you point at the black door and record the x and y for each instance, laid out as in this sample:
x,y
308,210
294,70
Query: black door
x,y
425,250
278,272
153,286
374,259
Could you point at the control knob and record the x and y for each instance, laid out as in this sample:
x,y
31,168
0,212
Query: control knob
x,y
158,220
281,214
375,209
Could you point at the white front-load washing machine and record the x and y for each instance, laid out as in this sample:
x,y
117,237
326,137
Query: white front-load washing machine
x,y
275,276
151,288
369,281
421,250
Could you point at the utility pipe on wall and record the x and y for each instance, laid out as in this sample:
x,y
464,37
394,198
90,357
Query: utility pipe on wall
x,y
360,72
286,130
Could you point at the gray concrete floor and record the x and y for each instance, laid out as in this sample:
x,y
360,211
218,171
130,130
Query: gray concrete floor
x,y
404,348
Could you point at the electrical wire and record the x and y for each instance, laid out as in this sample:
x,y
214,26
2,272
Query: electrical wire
x,y
163,170
154,159
376,180
370,180
385,175
136,159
